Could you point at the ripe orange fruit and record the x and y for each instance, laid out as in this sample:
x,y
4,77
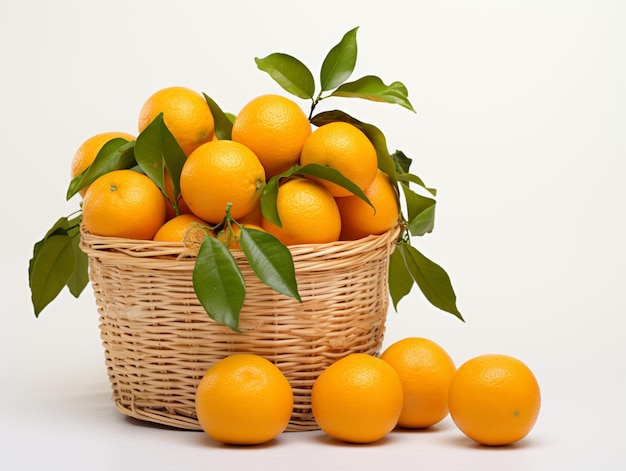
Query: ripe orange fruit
x,y
494,399
357,399
88,150
124,203
218,173
275,128
425,370
185,113
174,229
308,214
359,219
232,241
253,217
344,147
244,399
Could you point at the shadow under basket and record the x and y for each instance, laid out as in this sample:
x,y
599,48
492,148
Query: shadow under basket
x,y
159,342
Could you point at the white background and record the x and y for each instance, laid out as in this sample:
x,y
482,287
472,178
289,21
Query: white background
x,y
520,126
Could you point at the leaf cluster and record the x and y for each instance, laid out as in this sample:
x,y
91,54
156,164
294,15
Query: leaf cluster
x,y
58,261
407,266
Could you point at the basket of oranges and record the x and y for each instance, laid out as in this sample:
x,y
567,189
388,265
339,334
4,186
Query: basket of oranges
x,y
269,232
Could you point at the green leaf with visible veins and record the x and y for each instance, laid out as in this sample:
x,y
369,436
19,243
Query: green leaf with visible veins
x,y
400,280
50,268
289,73
431,278
116,154
270,260
339,63
80,276
218,283
372,88
420,211
57,261
223,122
156,149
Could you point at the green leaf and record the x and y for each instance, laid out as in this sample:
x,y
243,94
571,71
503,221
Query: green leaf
x,y
156,149
433,281
50,268
270,192
409,177
218,283
270,260
223,123
335,176
51,263
372,88
80,276
403,163
400,280
375,135
339,62
289,73
420,211
118,153
270,195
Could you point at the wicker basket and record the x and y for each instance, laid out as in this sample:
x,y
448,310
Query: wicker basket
x,y
159,341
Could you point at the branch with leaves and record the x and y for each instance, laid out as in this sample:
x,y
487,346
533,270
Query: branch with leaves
x,y
58,262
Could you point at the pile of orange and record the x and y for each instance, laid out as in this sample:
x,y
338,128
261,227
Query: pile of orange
x,y
270,135
361,398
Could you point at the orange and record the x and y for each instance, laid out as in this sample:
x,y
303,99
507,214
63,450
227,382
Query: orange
x,y
308,214
233,241
357,399
359,219
88,150
343,147
494,399
124,203
244,399
275,128
185,113
219,173
425,370
253,217
175,229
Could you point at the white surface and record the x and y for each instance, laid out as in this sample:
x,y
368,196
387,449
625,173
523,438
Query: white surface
x,y
520,126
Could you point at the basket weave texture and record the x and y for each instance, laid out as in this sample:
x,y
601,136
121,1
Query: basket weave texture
x,y
159,341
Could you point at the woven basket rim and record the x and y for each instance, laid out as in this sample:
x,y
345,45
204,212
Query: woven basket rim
x,y
149,248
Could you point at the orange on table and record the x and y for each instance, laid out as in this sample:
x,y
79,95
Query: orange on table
x,y
357,399
185,113
425,370
123,203
359,219
244,399
88,150
219,173
308,214
275,128
494,399
344,147
175,229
